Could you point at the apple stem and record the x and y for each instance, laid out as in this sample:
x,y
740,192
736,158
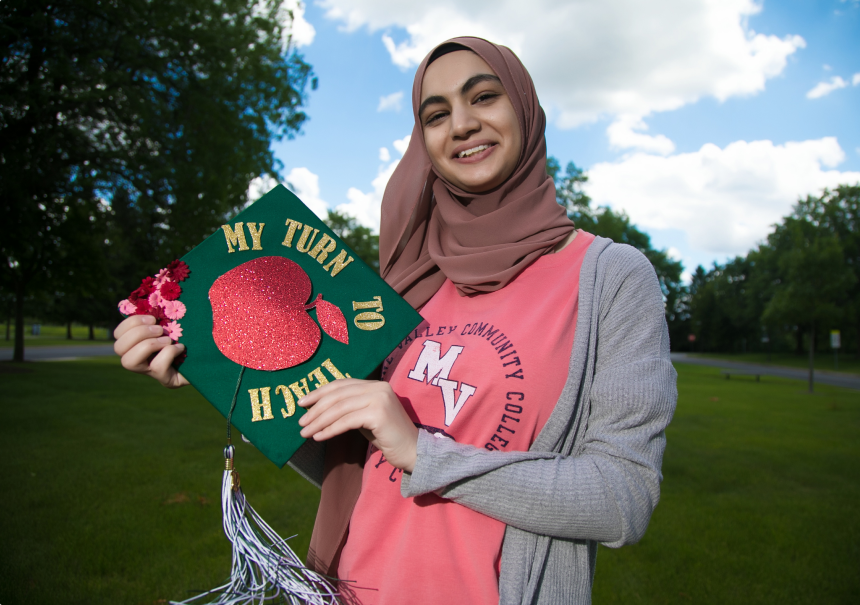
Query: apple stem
x,y
314,303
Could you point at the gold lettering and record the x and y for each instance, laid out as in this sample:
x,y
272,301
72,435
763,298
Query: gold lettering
x,y
321,380
257,407
300,388
370,304
304,245
256,235
289,402
235,237
369,320
328,365
323,247
339,263
291,231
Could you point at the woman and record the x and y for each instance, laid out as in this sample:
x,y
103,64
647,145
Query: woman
x,y
522,422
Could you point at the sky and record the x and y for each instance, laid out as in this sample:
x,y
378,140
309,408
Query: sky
x,y
703,120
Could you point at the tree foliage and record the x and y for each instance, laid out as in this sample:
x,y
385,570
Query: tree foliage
x,y
361,239
616,226
140,119
801,281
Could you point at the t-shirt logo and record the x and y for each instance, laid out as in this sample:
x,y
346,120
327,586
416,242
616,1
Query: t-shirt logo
x,y
434,368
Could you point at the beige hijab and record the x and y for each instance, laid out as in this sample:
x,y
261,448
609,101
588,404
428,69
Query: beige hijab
x,y
432,230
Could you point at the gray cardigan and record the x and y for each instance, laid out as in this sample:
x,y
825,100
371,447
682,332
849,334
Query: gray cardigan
x,y
593,473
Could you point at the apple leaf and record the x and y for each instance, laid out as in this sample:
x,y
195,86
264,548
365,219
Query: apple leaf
x,y
332,321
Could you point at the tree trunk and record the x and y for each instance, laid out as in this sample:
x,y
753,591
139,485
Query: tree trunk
x,y
68,330
811,357
798,341
92,334
18,355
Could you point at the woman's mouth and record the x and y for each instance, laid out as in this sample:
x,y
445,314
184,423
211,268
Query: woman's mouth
x,y
478,152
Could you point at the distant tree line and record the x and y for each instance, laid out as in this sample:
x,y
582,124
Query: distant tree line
x,y
791,290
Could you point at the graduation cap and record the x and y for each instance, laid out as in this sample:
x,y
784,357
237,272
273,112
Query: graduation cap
x,y
272,306
276,295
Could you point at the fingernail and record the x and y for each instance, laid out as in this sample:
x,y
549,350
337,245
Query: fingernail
x,y
301,401
156,330
148,319
304,433
164,339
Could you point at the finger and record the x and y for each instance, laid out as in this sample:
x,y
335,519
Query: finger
x,y
132,322
353,420
161,367
136,359
134,336
313,397
332,413
357,388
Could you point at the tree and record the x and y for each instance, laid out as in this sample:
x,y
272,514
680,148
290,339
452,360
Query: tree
x,y
616,226
173,103
359,238
816,280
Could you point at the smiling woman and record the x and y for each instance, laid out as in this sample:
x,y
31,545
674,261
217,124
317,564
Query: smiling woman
x,y
523,421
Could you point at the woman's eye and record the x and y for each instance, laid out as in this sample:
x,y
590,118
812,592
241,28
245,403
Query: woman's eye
x,y
434,118
486,96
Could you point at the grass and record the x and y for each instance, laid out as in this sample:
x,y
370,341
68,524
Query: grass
x,y
760,499
112,488
848,362
111,493
55,336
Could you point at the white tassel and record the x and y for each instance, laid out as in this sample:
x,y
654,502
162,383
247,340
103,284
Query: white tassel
x,y
264,567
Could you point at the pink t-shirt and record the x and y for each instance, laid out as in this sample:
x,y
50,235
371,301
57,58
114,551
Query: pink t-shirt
x,y
485,370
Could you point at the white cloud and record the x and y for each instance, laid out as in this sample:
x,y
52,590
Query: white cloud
x,y
365,207
826,67
622,135
306,185
384,154
392,102
724,200
301,181
595,57
825,88
855,80
291,14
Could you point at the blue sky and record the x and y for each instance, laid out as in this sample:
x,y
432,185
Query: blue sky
x,y
703,120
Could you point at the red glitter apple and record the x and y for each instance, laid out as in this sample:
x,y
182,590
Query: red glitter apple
x,y
260,319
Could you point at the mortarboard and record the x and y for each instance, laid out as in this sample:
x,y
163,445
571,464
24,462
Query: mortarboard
x,y
276,292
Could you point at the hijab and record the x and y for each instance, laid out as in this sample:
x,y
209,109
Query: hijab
x,y
432,230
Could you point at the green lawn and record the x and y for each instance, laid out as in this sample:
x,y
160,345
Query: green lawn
x,y
111,493
848,362
760,502
55,336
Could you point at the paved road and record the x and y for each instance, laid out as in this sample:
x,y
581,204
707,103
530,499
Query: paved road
x,y
57,353
832,378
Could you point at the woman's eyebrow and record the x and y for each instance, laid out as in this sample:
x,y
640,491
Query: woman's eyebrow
x,y
430,101
475,80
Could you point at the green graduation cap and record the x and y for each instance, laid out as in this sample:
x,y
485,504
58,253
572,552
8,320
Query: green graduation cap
x,y
274,296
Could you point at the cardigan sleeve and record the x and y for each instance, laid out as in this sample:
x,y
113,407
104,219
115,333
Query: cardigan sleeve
x,y
607,490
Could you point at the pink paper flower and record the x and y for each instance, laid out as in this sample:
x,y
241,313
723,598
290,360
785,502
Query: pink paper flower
x,y
173,309
127,308
173,330
155,299
161,277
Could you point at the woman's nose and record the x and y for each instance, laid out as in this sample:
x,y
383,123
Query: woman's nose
x,y
464,122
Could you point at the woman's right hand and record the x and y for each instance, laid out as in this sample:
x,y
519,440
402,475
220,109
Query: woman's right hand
x,y
144,349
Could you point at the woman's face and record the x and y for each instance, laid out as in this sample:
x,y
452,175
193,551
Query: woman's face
x,y
470,127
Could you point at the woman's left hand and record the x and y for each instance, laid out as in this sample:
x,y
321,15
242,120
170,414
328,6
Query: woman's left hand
x,y
368,405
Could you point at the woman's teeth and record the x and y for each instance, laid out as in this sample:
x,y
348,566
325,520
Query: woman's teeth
x,y
472,151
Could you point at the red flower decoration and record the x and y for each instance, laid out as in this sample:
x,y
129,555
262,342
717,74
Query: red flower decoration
x,y
178,271
170,290
143,306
